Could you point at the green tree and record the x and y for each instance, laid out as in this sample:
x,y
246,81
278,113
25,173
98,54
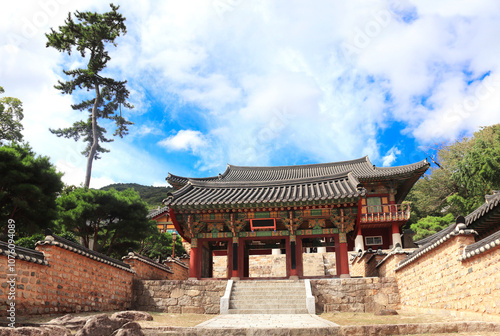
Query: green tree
x,y
430,225
11,114
158,244
90,34
29,186
112,220
468,170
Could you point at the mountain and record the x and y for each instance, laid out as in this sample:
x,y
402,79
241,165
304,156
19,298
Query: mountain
x,y
151,195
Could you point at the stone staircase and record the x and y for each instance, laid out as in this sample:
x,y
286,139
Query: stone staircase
x,y
268,297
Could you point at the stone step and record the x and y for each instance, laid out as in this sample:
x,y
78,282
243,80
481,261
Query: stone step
x,y
268,311
277,288
248,297
263,299
269,292
267,306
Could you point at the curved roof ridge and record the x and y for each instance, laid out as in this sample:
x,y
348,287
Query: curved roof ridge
x,y
343,175
424,161
310,165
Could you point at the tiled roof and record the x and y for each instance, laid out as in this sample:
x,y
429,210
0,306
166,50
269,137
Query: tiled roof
x,y
55,240
156,212
149,261
492,202
23,253
440,238
491,206
205,193
361,168
481,246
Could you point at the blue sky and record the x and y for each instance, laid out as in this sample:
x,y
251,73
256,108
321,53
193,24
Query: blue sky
x,y
264,82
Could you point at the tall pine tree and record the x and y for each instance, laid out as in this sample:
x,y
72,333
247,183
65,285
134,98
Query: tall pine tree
x,y
90,34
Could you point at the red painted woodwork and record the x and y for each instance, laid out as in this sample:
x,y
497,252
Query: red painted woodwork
x,y
344,259
337,254
395,227
193,263
263,227
299,260
177,226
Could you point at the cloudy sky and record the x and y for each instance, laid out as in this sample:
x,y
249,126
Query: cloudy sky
x,y
264,82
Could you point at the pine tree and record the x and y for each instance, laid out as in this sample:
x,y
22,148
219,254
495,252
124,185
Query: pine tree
x,y
90,34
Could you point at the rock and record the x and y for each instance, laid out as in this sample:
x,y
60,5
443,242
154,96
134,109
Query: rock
x,y
69,321
129,329
133,315
24,331
57,330
384,312
101,325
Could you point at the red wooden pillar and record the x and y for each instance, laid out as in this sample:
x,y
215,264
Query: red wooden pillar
x,y
344,257
229,271
337,254
235,274
300,268
193,263
341,256
241,259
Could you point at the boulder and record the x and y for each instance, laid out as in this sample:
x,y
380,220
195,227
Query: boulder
x,y
384,312
129,329
69,321
35,331
101,325
133,315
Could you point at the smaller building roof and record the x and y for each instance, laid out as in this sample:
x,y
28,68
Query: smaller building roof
x,y
156,212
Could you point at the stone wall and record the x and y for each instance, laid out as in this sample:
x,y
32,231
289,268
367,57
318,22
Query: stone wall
x,y
387,268
63,277
366,265
146,268
442,281
190,296
180,269
355,295
71,282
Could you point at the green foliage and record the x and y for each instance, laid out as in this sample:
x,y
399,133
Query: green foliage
x,y
30,242
153,196
29,185
90,34
470,169
11,114
159,244
113,219
430,225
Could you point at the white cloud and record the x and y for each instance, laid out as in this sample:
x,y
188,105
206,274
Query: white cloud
x,y
269,82
184,140
390,156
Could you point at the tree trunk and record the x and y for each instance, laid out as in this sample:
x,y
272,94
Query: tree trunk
x,y
95,139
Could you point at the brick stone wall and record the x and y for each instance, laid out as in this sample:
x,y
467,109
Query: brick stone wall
x,y
146,271
387,268
355,295
189,296
439,282
70,283
366,265
180,269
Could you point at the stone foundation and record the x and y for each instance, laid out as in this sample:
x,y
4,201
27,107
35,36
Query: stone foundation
x,y
355,295
189,296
